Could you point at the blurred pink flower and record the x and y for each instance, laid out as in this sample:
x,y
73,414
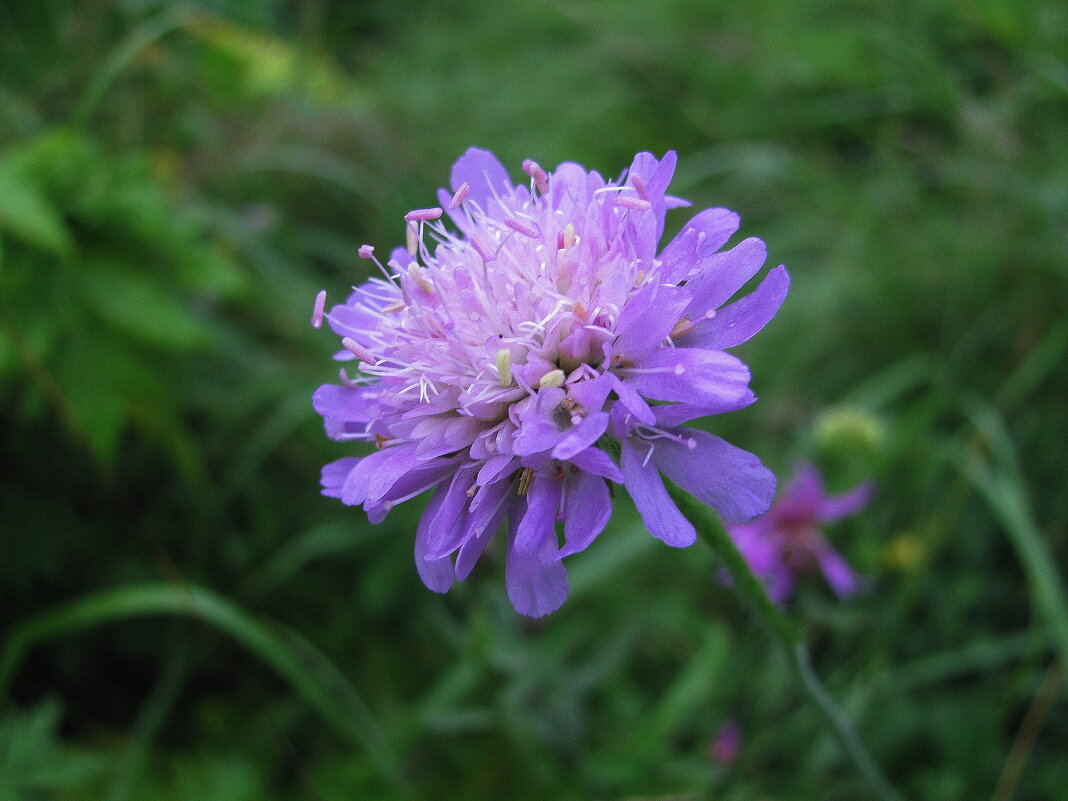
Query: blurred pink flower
x,y
786,541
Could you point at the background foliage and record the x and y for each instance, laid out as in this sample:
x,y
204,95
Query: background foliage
x,y
184,616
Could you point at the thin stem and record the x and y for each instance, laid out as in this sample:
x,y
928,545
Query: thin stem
x,y
715,536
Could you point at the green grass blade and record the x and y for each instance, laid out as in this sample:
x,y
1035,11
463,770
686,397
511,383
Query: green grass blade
x,y
1001,486
309,673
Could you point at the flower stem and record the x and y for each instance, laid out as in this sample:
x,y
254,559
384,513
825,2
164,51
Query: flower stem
x,y
715,536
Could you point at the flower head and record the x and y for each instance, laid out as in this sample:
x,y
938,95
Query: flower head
x,y
499,360
787,542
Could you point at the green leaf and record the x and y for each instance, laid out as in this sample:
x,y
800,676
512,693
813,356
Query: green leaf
x,y
138,305
34,763
27,214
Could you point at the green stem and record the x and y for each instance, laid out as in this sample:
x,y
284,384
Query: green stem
x,y
715,536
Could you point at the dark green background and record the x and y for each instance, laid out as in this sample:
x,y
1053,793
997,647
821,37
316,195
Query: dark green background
x,y
176,183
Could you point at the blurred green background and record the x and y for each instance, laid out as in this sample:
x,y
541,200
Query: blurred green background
x,y
184,617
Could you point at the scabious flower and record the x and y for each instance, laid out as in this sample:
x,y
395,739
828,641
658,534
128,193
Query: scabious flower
x,y
506,363
786,542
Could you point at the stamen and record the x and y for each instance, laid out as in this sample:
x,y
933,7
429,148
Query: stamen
x,y
366,251
317,311
569,235
504,367
421,215
412,239
521,227
358,350
419,275
524,481
553,378
460,196
534,170
628,202
639,185
681,327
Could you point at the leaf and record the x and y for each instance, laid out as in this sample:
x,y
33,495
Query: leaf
x,y
27,214
142,307
34,763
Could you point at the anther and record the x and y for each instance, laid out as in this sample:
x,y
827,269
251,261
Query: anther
x,y
460,196
412,239
639,185
524,481
569,235
679,369
521,227
681,327
418,274
358,350
366,251
534,170
317,311
553,378
421,215
628,202
504,367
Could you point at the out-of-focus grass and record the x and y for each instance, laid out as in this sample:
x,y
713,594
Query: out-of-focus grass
x,y
177,181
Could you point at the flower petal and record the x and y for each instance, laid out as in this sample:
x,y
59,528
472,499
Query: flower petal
x,y
437,574
536,581
334,475
659,513
632,401
447,523
581,436
723,274
839,574
674,414
835,507
485,174
705,233
596,461
648,318
730,480
691,375
738,322
587,508
481,526
539,520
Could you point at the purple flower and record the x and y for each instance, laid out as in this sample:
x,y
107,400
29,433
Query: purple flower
x,y
500,360
786,542
726,744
